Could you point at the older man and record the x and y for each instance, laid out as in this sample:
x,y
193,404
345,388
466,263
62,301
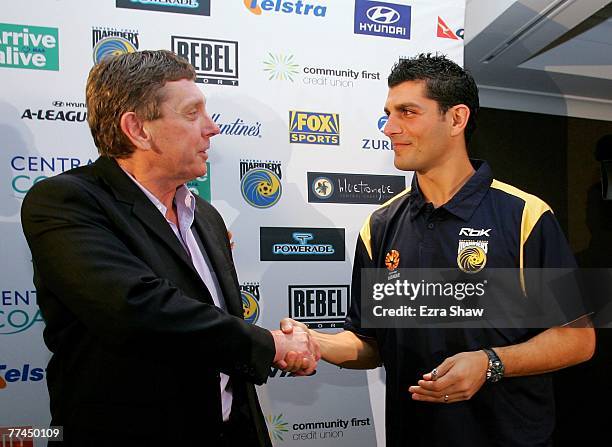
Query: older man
x,y
135,277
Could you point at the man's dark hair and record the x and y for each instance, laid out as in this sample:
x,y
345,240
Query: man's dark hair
x,y
445,82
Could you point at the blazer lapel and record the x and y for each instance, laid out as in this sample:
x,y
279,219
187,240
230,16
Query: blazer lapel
x,y
127,191
221,264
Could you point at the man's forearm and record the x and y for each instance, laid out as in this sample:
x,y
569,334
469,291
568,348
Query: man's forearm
x,y
553,349
348,350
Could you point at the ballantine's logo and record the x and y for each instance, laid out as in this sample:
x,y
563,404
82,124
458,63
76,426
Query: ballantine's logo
x,y
33,47
111,41
314,128
472,255
285,6
237,127
250,301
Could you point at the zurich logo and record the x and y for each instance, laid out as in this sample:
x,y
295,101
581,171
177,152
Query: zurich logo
x,y
383,15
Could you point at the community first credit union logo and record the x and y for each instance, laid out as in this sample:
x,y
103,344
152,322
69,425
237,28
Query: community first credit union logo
x,y
215,61
18,311
249,293
382,19
260,182
32,47
281,67
197,7
298,7
314,128
110,41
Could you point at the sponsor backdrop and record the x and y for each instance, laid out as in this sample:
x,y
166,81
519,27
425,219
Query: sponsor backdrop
x,y
297,88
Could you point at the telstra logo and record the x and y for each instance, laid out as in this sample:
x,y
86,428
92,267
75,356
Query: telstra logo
x,y
287,7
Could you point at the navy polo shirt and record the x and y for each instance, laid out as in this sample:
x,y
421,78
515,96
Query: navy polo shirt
x,y
514,229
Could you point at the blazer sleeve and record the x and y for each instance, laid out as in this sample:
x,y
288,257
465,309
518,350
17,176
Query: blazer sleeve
x,y
81,261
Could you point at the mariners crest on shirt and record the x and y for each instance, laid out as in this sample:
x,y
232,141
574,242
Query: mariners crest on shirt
x,y
472,255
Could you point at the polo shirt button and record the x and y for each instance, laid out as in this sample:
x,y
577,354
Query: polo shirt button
x,y
430,225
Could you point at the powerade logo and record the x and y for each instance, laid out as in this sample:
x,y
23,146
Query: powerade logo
x,y
25,373
111,41
249,293
314,128
29,170
18,311
260,182
32,47
319,306
197,7
237,127
336,187
301,244
298,7
215,61
201,186
382,19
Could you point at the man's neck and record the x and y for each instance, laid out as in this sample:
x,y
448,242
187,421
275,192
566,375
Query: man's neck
x,y
439,184
162,188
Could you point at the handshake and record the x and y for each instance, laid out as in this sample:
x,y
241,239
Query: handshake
x,y
297,351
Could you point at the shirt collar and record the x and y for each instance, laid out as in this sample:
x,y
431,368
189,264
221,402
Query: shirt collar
x,y
465,201
185,202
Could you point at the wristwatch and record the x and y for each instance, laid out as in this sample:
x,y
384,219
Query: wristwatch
x,y
495,370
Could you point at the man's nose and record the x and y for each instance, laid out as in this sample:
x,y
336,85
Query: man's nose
x,y
209,127
391,127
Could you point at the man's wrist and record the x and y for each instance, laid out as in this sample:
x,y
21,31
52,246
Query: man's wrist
x,y
495,367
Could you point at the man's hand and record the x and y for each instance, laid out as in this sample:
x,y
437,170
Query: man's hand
x,y
296,349
457,378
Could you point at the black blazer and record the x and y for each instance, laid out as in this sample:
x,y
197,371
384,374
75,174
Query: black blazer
x,y
137,342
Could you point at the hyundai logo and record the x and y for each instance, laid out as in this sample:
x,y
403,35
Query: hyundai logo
x,y
58,103
383,15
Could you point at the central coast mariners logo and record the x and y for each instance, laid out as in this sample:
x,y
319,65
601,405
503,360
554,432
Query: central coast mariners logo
x,y
472,255
314,128
250,301
111,41
260,182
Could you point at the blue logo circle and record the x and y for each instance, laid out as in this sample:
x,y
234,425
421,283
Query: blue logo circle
x,y
261,188
250,307
112,46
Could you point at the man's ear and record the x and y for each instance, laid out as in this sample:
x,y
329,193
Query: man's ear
x,y
459,115
134,128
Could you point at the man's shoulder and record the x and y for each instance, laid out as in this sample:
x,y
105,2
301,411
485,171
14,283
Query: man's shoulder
x,y
387,210
75,181
512,197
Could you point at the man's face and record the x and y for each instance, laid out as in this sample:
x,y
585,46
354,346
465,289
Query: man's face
x,y
181,136
420,135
